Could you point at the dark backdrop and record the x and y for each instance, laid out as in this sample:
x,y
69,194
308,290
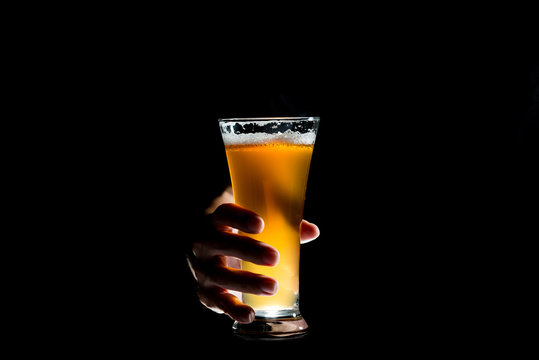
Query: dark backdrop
x,y
421,182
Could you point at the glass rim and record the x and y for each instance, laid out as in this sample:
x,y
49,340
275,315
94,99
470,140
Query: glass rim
x,y
277,118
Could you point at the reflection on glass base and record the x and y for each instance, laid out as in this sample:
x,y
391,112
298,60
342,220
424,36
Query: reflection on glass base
x,y
265,328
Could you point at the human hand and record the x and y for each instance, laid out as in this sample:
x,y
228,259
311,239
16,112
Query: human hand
x,y
216,260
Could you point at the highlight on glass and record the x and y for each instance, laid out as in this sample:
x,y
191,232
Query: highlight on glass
x,y
269,160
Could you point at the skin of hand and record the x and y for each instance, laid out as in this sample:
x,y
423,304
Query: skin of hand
x,y
216,256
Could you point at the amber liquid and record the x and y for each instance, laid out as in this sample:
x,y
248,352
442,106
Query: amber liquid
x,y
270,179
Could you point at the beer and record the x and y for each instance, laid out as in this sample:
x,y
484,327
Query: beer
x,y
270,179
269,161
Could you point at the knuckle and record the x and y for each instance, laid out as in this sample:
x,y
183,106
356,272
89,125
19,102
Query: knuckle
x,y
214,277
205,298
210,271
223,213
219,212
202,278
202,297
197,248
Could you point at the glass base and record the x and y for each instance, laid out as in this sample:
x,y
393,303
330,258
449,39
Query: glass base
x,y
264,328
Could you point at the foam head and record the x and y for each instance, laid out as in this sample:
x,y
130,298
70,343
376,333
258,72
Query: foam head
x,y
297,131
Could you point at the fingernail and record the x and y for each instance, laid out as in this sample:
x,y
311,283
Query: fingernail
x,y
269,287
246,318
271,258
256,225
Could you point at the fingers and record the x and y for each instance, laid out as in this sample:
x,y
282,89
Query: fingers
x,y
214,281
237,217
308,232
211,263
220,300
238,280
238,246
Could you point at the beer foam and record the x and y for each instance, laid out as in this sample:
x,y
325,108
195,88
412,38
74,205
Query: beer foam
x,y
288,136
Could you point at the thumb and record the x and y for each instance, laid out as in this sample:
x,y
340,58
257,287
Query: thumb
x,y
308,232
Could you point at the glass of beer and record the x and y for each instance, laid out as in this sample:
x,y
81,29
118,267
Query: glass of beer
x,y
269,161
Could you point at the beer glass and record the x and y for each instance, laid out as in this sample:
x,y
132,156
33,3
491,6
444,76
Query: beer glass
x,y
269,161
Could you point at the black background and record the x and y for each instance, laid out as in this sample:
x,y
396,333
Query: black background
x,y
421,188
422,184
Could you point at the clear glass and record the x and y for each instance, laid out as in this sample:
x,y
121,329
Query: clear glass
x,y
269,160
